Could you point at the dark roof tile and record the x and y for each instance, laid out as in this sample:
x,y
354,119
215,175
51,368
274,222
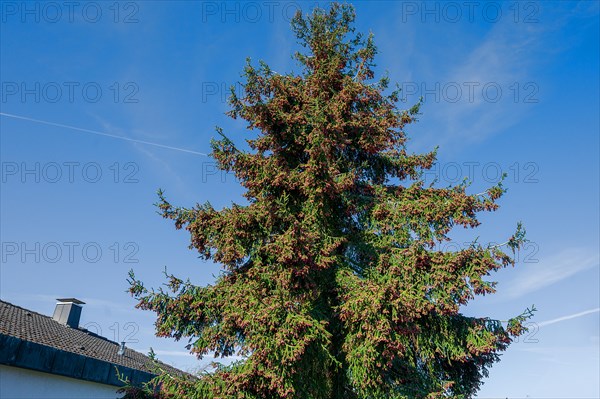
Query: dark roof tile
x,y
34,327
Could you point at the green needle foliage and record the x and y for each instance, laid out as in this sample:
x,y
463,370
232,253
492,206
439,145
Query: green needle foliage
x,y
331,285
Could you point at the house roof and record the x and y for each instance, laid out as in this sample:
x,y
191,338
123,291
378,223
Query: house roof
x,y
32,340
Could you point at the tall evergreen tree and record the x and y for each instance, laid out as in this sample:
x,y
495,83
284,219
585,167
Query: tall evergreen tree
x,y
332,286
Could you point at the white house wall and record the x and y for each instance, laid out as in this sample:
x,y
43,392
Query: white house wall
x,y
19,383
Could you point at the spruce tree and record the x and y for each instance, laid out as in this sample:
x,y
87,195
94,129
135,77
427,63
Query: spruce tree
x,y
333,285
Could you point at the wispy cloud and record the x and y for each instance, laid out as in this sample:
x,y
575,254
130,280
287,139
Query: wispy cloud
x,y
165,166
173,353
492,79
227,359
93,303
568,317
550,271
196,366
98,133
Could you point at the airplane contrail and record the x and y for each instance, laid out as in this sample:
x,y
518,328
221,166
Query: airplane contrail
x,y
568,317
25,118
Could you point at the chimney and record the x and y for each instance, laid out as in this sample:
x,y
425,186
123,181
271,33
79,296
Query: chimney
x,y
68,311
121,350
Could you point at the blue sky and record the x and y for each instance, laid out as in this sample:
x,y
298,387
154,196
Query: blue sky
x,y
509,87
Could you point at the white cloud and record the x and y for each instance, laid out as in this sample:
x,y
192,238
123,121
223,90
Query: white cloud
x,y
98,133
173,353
550,271
495,80
568,317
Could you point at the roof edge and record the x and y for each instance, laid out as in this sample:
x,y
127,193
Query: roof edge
x,y
33,356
